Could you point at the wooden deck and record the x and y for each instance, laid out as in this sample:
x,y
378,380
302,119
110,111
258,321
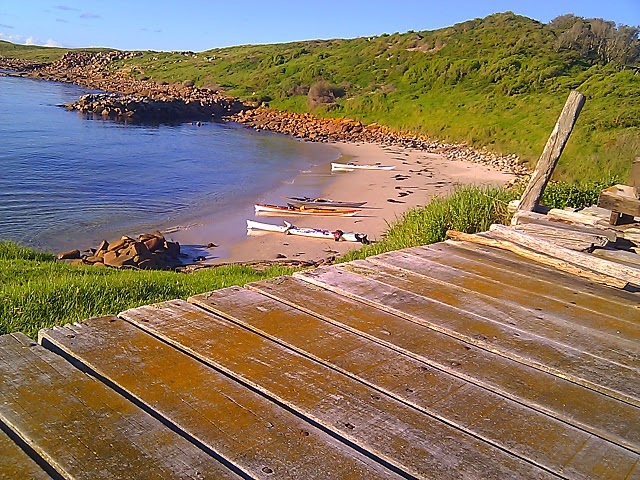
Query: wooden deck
x,y
447,361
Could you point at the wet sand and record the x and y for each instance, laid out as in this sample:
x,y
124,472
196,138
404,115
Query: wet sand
x,y
417,177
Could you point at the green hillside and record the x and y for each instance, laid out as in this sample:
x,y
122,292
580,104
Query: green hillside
x,y
498,82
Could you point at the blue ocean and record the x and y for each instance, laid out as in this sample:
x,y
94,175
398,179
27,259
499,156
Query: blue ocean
x,y
69,181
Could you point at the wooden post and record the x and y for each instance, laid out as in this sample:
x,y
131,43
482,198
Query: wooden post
x,y
552,151
634,177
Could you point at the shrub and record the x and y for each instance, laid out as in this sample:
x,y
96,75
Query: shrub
x,y
322,93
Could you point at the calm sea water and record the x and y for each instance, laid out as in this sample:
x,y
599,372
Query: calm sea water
x,y
68,181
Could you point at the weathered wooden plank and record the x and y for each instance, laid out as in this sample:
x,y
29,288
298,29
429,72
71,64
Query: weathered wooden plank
x,y
620,256
543,220
487,239
621,319
605,267
516,428
533,310
82,428
241,426
578,217
576,405
552,151
590,295
393,431
471,320
620,199
16,464
582,242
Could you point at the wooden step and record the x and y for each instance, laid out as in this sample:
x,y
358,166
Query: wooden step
x,y
558,320
250,432
616,308
404,437
579,406
590,295
84,429
15,463
471,319
519,429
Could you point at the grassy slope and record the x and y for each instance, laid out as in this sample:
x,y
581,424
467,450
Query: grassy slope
x,y
498,82
37,292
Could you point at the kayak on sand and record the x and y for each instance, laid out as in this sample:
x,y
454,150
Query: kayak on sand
x,y
321,202
265,209
289,229
348,167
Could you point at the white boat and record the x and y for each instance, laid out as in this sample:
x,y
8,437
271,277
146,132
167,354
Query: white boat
x,y
289,229
349,167
265,209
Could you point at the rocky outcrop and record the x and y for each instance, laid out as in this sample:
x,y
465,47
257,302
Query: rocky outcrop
x,y
308,127
145,109
149,251
129,98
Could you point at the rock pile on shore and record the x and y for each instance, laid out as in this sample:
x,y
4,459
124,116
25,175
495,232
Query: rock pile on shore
x,y
144,109
149,251
308,127
130,98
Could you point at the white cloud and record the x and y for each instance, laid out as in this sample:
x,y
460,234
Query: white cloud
x,y
31,40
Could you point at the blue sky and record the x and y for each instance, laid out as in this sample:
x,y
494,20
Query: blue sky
x,y
199,25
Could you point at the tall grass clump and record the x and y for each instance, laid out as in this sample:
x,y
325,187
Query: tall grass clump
x,y
468,209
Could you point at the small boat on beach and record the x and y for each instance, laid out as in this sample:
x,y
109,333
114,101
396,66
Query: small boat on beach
x,y
348,167
265,209
321,203
289,229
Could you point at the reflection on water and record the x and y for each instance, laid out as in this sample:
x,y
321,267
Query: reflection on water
x,y
67,180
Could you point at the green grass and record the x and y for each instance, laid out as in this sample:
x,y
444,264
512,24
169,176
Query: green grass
x,y
36,292
498,82
469,209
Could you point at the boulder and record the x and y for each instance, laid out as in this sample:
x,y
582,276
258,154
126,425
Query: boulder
x,y
69,255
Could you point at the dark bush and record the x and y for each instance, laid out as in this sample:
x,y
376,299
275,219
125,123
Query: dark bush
x,y
322,93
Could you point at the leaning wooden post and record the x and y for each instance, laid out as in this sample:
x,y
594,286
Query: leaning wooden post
x,y
552,151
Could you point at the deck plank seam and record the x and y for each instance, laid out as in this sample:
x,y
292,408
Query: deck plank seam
x,y
482,345
88,370
411,253
428,412
490,251
274,399
30,451
538,407
550,317
514,354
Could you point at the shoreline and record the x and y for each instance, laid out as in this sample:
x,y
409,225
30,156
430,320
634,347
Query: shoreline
x,y
418,176
424,168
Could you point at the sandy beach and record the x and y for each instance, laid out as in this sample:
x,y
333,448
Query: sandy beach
x,y
417,177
